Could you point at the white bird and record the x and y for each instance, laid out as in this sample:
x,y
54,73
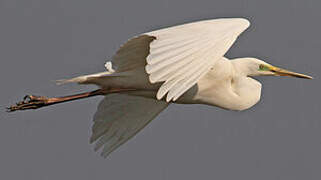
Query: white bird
x,y
180,64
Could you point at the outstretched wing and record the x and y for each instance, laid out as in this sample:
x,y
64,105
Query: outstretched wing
x,y
181,55
119,117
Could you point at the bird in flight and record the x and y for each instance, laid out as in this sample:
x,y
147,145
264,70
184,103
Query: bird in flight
x,y
184,64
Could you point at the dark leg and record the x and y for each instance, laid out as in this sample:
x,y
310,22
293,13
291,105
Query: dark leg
x,y
35,102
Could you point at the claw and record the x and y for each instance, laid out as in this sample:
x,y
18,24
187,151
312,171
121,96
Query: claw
x,y
29,102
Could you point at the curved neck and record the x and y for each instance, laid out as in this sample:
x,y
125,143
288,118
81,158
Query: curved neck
x,y
245,67
240,67
247,89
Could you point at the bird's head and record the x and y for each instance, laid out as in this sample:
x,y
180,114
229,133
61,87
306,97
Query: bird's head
x,y
256,67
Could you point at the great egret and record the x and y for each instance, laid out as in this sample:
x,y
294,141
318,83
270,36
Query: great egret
x,y
181,64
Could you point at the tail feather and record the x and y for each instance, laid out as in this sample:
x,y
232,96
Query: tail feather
x,y
72,80
82,79
87,79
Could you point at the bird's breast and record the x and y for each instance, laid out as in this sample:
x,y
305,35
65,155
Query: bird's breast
x,y
228,92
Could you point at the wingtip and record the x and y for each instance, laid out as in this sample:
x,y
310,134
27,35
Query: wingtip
x,y
168,98
246,21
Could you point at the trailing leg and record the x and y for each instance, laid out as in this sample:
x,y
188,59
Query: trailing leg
x,y
35,102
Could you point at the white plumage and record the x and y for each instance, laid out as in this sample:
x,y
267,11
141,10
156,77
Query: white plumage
x,y
121,116
181,55
186,64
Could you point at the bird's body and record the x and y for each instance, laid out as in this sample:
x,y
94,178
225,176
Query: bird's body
x,y
181,64
240,91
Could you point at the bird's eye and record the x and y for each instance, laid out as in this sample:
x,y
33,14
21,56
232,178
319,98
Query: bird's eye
x,y
261,67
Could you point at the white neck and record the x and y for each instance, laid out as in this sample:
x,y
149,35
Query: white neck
x,y
228,87
247,88
241,67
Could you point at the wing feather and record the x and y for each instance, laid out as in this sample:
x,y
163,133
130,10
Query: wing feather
x,y
180,56
119,117
191,80
177,57
132,54
192,61
181,64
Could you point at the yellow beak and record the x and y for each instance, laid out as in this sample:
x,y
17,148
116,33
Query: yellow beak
x,y
284,72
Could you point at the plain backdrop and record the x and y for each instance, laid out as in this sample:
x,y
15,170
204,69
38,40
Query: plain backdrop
x,y
44,40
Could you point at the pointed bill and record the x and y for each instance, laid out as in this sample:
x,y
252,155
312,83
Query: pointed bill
x,y
284,72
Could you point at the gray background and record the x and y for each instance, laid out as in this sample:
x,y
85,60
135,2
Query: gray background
x,y
41,41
